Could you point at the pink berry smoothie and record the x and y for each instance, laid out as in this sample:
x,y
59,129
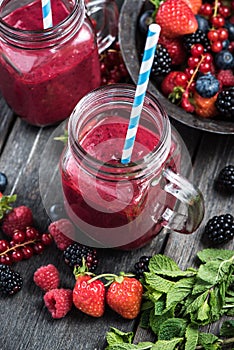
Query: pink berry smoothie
x,y
102,203
43,85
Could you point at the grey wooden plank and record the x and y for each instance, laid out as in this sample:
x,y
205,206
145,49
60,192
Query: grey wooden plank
x,y
7,118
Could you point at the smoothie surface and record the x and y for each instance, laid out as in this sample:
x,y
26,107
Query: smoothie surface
x,y
29,17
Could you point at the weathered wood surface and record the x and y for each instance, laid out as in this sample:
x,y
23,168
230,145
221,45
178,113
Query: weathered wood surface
x,y
25,322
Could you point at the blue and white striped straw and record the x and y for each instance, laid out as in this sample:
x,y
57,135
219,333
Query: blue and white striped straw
x,y
143,79
46,14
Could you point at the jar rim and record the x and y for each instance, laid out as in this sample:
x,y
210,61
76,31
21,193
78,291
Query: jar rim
x,y
51,33
155,158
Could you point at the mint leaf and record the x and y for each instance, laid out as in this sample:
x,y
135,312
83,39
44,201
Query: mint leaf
x,y
155,321
158,283
227,329
191,336
167,344
206,255
209,341
140,346
159,263
215,271
179,291
116,336
172,328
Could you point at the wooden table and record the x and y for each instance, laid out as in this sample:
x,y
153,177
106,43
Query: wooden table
x,y
25,322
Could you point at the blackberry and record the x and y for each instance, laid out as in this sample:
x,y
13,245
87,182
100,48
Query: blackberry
x,y
220,229
225,103
198,37
161,63
10,281
75,252
225,179
142,266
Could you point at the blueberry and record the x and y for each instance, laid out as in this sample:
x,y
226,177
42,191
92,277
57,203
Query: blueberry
x,y
207,85
224,60
3,182
230,28
203,24
225,44
145,20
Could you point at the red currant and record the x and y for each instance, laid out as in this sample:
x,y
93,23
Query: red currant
x,y
189,71
31,233
6,259
197,50
193,62
216,46
205,67
17,255
223,34
224,11
4,245
18,236
218,21
213,35
208,57
46,238
206,9
38,247
181,79
27,252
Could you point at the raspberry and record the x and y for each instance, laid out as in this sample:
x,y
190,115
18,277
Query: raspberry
x,y
142,266
175,49
47,277
18,218
75,252
226,77
225,179
58,302
61,230
220,229
10,281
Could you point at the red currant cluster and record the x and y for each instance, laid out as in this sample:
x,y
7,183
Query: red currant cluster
x,y
199,61
23,245
113,69
216,13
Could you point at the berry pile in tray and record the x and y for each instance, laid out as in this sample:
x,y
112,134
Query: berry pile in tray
x,y
194,61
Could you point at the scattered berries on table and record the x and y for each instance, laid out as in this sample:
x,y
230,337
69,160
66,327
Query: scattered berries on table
x,y
61,231
18,218
47,277
219,229
76,252
124,296
58,302
202,54
10,281
141,266
88,295
225,179
3,182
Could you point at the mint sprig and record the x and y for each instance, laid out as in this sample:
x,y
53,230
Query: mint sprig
x,y
178,303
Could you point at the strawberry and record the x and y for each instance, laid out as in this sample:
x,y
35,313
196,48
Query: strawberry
x,y
169,83
175,49
175,19
124,296
205,107
195,5
88,295
17,219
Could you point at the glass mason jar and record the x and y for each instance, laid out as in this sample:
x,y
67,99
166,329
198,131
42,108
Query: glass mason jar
x,y
44,73
124,205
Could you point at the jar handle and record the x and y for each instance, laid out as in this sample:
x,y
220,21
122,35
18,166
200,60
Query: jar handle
x,y
105,14
189,218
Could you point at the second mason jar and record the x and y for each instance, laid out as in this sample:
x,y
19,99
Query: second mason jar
x,y
44,73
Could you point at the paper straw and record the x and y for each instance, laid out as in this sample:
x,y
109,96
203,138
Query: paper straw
x,y
46,14
143,79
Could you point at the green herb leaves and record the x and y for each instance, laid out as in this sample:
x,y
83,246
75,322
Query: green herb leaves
x,y
177,303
